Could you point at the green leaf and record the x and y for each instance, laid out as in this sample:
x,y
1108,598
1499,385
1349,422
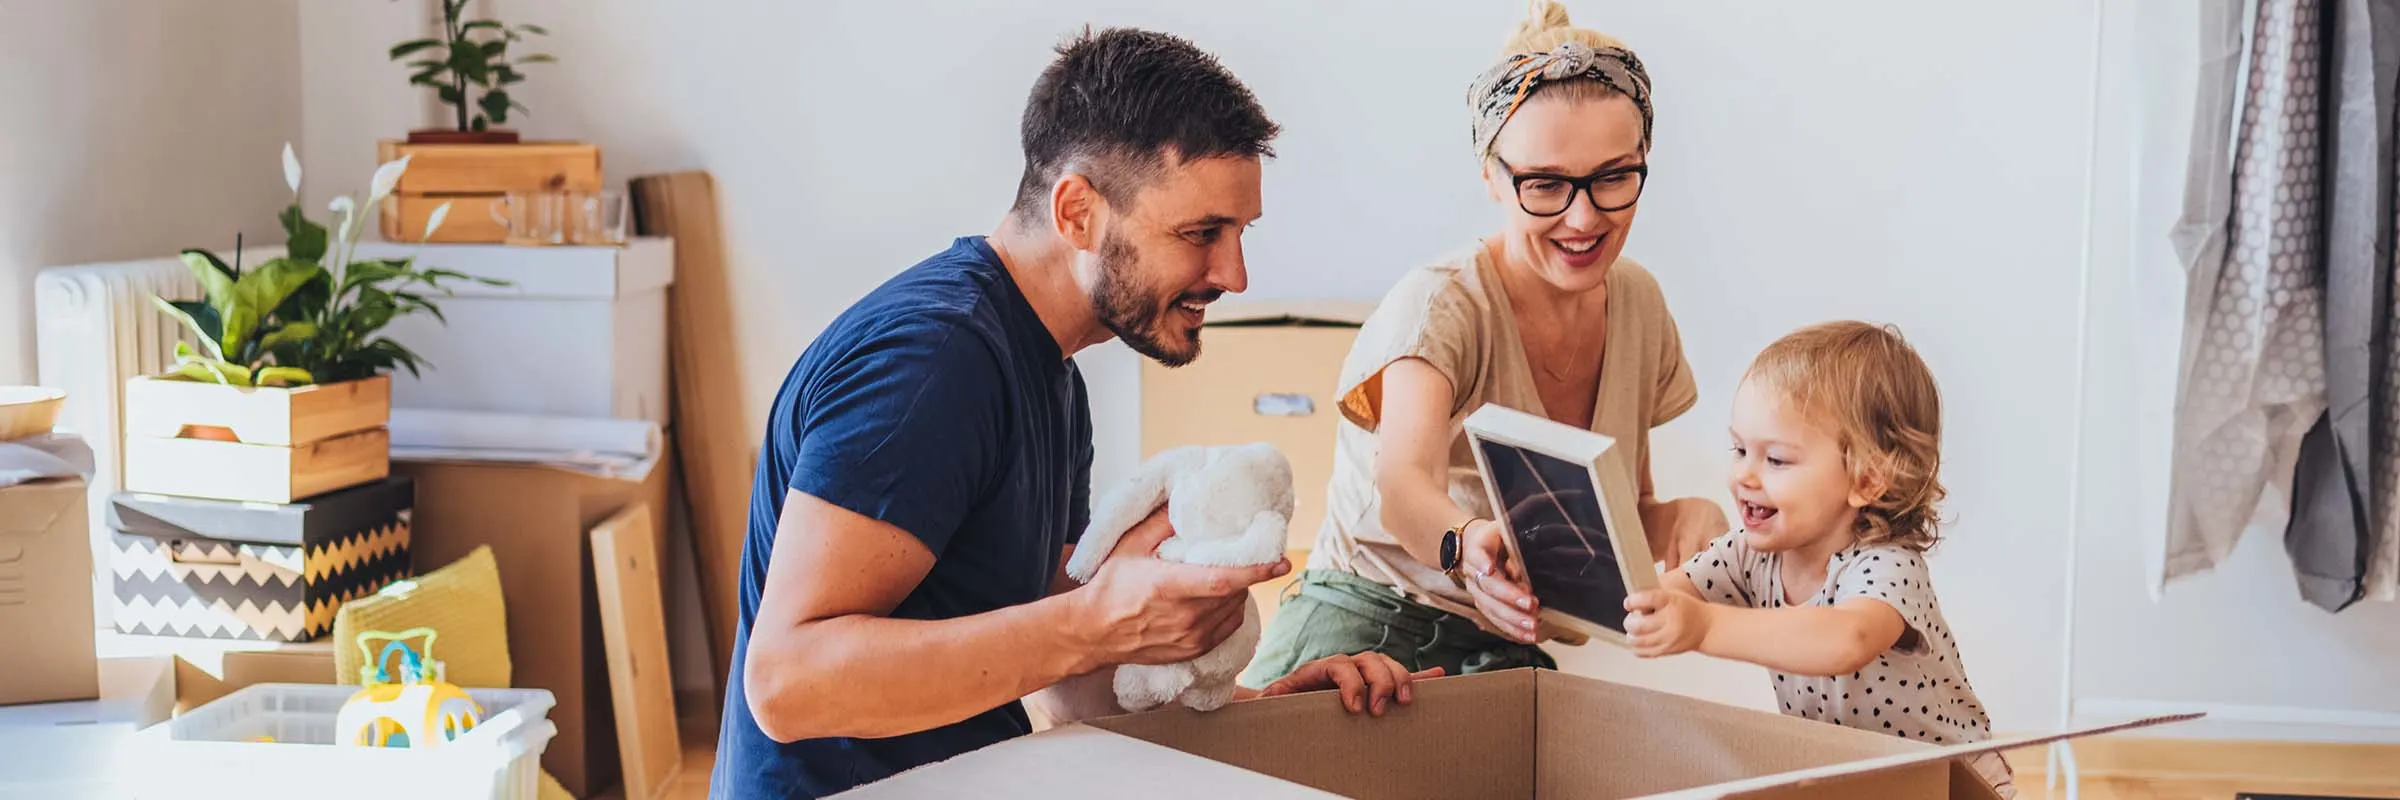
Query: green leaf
x,y
290,333
210,370
213,262
534,29
479,125
216,279
469,61
432,64
507,74
259,293
373,310
206,336
411,303
451,95
309,301
539,58
204,316
495,105
494,49
362,273
284,376
483,23
303,240
393,353
403,49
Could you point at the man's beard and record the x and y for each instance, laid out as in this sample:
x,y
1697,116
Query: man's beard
x,y
1132,312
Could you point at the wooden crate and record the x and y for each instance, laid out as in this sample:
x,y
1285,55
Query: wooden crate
x,y
258,473
160,408
470,220
259,444
472,177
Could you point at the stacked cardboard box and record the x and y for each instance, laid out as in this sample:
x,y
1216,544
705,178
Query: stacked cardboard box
x,y
45,599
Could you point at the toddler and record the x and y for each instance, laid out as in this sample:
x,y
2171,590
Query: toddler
x,y
1836,454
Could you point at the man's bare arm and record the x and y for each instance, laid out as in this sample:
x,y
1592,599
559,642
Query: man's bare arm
x,y
825,660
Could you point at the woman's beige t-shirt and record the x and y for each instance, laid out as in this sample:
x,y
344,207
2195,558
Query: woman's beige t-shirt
x,y
1456,316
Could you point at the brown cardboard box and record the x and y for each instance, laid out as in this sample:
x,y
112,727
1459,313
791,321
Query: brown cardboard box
x,y
1266,373
1519,733
538,522
207,669
46,615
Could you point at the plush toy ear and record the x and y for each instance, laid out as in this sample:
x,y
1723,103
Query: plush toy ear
x,y
1126,506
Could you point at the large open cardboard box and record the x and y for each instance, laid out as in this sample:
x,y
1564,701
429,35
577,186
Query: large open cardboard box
x,y
1520,733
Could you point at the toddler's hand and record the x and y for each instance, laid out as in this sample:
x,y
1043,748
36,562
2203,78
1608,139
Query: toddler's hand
x,y
1663,622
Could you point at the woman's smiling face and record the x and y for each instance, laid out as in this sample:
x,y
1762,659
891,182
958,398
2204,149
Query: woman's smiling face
x,y
1572,138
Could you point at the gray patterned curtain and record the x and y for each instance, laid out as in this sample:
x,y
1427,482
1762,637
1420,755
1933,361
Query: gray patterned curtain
x,y
2287,238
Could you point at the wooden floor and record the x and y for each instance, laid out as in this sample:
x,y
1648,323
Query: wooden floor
x,y
2158,789
2164,769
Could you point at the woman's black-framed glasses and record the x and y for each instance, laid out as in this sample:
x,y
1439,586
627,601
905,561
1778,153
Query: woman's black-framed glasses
x,y
1546,195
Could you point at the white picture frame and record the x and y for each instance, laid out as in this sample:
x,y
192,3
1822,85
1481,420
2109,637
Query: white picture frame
x,y
1523,460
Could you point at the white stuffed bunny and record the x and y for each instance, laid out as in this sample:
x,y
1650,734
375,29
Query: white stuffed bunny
x,y
1230,506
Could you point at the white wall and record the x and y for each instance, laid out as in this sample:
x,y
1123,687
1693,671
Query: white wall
x,y
1922,164
2238,641
133,129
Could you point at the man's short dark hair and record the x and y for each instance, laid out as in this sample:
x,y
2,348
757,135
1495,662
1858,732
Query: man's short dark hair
x,y
1116,103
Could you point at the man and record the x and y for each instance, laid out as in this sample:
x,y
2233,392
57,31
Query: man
x,y
926,469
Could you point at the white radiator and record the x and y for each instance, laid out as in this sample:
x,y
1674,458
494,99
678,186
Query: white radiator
x,y
94,329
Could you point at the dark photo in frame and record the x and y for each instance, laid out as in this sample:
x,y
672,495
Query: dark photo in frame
x,y
1566,498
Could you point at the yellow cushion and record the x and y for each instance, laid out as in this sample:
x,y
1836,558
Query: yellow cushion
x,y
460,602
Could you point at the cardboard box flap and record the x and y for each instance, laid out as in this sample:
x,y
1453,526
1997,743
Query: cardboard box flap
x,y
1082,761
644,264
1485,723
333,514
1292,313
1923,755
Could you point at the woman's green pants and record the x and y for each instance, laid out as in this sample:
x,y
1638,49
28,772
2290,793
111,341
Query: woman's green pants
x,y
1337,613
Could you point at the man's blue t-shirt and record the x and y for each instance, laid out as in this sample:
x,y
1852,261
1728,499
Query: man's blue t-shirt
x,y
939,403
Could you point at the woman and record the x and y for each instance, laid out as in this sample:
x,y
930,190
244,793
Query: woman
x,y
1543,317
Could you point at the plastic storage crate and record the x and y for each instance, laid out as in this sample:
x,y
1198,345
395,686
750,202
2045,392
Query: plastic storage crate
x,y
215,750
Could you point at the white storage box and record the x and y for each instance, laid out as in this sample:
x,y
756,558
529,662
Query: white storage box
x,y
214,751
582,332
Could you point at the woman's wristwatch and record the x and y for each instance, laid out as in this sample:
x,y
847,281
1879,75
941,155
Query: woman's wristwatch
x,y
1454,558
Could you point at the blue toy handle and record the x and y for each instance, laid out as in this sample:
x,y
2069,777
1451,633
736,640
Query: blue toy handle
x,y
412,663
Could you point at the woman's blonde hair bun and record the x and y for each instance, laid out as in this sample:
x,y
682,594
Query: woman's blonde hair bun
x,y
1546,27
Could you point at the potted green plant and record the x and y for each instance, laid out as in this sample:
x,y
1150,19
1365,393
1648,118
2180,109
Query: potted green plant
x,y
288,392
469,69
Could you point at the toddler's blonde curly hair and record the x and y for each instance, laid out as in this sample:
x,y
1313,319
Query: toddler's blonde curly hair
x,y
1866,383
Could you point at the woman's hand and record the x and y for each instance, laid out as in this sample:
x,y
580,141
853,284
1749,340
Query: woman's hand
x,y
1663,622
1498,583
1681,528
1369,681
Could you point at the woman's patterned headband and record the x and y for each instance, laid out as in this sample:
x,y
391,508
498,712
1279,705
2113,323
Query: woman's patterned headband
x,y
1495,96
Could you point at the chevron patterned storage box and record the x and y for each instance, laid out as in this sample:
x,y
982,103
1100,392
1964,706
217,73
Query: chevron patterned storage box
x,y
223,569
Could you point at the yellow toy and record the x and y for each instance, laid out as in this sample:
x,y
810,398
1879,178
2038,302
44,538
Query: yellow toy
x,y
407,704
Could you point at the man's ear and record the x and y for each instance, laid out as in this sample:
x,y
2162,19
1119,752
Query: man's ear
x,y
1075,207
